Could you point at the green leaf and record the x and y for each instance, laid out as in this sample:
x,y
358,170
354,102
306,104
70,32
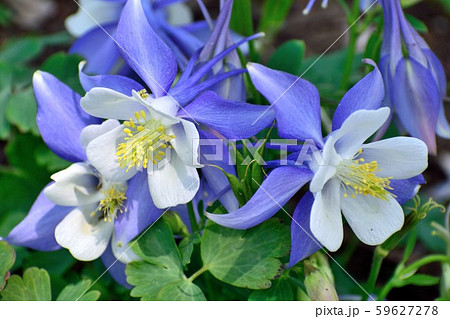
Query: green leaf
x,y
34,286
274,15
160,272
418,280
181,291
417,24
65,68
21,50
241,18
186,247
245,258
5,92
77,292
21,111
281,290
7,259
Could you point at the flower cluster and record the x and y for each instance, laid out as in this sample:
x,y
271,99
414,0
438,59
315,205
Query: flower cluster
x,y
162,87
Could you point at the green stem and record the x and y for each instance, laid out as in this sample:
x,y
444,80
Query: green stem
x,y
351,46
378,257
386,289
197,273
192,218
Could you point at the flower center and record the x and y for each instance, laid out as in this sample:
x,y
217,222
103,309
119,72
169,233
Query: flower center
x,y
112,203
358,177
146,141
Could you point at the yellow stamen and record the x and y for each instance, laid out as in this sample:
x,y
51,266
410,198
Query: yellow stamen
x,y
146,142
143,93
360,178
112,203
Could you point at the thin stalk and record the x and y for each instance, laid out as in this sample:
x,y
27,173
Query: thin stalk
x,y
378,257
192,218
197,273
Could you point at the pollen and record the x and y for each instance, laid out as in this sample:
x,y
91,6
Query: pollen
x,y
360,178
143,93
112,204
145,144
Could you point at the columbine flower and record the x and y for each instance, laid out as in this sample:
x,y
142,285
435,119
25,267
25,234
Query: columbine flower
x,y
99,49
81,210
157,134
366,182
414,78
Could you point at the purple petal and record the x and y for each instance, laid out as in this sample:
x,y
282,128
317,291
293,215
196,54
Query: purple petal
x,y
115,268
367,94
184,94
405,189
281,184
235,120
140,210
144,51
216,181
117,83
99,49
296,102
60,117
37,230
303,242
417,100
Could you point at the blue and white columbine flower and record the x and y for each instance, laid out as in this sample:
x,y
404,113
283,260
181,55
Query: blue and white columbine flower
x,y
414,78
81,210
166,18
158,126
366,182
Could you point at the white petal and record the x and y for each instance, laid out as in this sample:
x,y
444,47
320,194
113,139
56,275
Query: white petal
x,y
372,219
173,184
326,221
92,131
322,173
84,235
397,157
122,252
101,152
107,103
321,177
95,11
74,186
186,142
357,128
163,109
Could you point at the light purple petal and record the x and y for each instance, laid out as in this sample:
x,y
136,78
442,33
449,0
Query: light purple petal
x,y
99,50
367,94
235,120
37,230
117,83
281,184
60,117
115,268
144,51
417,101
140,210
405,189
296,102
303,242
